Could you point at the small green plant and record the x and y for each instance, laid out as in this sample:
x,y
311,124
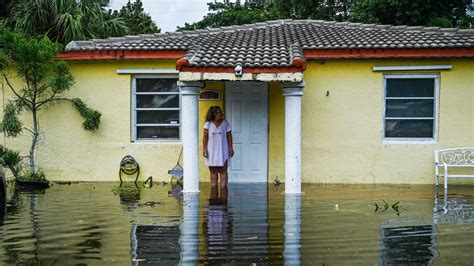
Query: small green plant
x,y
126,191
277,181
11,159
381,208
33,177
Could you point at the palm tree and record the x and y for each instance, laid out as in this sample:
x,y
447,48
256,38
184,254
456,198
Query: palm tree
x,y
66,20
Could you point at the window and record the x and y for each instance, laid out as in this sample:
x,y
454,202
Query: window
x,y
156,108
209,95
410,107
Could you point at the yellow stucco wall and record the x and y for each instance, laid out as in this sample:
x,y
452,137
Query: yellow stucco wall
x,y
67,152
342,132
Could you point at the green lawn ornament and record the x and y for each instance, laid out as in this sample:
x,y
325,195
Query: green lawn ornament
x,y
129,166
177,171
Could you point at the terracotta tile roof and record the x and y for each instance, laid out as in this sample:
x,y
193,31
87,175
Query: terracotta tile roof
x,y
281,43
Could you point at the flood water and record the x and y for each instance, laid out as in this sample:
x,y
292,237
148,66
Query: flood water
x,y
87,224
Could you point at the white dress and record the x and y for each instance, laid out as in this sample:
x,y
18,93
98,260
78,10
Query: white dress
x,y
217,146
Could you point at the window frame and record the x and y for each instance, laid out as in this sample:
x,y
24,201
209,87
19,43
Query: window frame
x,y
134,109
435,77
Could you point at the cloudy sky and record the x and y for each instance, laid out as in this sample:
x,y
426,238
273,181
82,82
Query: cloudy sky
x,y
168,14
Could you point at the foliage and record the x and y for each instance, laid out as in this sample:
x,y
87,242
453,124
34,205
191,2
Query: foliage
x,y
65,20
443,13
313,9
126,191
411,12
226,14
440,22
45,80
11,125
34,177
91,116
4,11
11,160
137,21
396,207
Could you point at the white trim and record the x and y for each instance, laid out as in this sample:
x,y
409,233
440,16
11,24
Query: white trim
x,y
146,71
134,110
391,140
421,141
402,68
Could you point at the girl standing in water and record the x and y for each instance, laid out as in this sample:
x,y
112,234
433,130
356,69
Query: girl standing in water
x,y
217,145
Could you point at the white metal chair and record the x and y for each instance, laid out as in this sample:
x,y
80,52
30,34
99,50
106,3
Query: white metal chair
x,y
455,157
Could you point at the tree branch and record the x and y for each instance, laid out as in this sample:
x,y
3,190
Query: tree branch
x,y
29,130
14,92
52,100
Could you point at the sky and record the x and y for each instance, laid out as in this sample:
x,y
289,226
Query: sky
x,y
168,14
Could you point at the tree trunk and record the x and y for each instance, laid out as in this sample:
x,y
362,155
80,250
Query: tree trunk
x,y
33,167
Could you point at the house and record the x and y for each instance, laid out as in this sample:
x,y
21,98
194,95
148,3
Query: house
x,y
317,102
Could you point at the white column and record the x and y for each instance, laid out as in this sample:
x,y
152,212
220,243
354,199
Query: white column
x,y
293,92
291,252
189,239
189,134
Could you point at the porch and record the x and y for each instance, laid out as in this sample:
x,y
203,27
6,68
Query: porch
x,y
246,104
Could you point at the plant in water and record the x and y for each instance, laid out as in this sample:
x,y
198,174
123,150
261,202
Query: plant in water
x,y
381,208
277,181
44,82
34,177
126,191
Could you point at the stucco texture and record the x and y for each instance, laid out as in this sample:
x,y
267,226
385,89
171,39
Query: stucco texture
x,y
341,133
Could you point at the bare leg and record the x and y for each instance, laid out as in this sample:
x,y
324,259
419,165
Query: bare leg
x,y
213,177
214,193
223,175
223,195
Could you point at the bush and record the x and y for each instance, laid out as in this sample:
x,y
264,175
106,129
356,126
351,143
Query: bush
x,y
33,177
440,22
11,160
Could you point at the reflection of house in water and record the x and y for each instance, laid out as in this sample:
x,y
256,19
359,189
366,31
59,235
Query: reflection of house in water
x,y
422,244
155,244
408,245
234,229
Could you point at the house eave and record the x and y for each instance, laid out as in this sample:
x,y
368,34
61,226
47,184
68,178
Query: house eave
x,y
388,53
225,76
121,54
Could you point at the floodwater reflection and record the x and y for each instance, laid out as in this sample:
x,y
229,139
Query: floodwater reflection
x,y
408,245
453,209
217,226
244,224
235,225
292,229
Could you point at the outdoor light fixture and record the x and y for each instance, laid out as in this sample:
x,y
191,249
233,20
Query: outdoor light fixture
x,y
239,71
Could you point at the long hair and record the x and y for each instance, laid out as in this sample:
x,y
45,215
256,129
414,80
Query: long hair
x,y
211,113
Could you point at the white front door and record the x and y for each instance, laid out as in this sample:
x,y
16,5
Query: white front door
x,y
246,109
